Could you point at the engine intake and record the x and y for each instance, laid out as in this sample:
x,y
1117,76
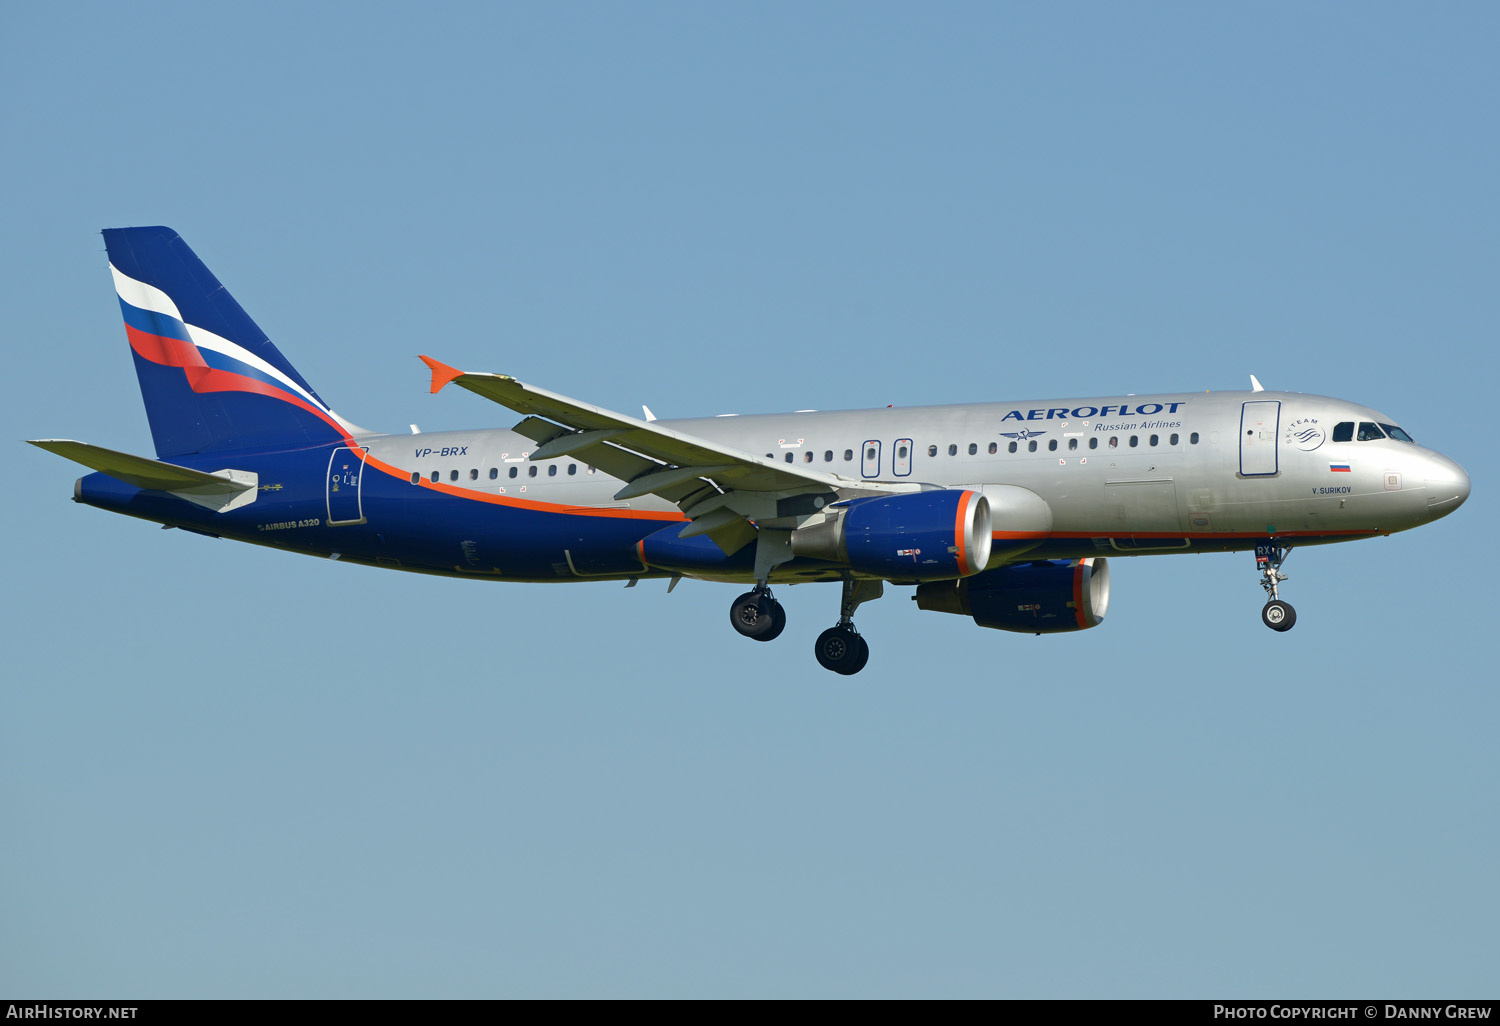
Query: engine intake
x,y
1047,597
923,536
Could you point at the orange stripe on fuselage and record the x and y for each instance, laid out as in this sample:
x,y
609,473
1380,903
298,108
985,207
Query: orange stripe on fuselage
x,y
1203,535
532,504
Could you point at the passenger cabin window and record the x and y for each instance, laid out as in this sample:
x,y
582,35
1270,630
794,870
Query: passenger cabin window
x,y
827,455
1174,439
1398,434
1052,445
436,475
474,475
1155,439
416,475
572,469
453,475
790,457
807,456
1134,441
993,448
1193,438
1369,432
1093,443
552,470
1072,443
494,473
848,455
1012,446
952,450
1344,432
973,449
531,470
932,450
1031,446
513,471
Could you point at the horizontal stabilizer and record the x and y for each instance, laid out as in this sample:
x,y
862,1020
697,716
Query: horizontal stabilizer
x,y
222,490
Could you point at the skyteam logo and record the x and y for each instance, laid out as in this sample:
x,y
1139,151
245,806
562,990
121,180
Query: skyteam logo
x,y
1024,434
1304,433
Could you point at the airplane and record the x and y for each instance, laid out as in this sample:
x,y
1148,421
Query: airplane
x,y
1006,512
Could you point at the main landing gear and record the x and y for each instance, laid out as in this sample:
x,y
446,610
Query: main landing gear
x,y
1277,615
840,648
757,615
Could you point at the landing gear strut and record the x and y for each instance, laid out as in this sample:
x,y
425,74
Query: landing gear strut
x,y
757,615
1277,615
840,648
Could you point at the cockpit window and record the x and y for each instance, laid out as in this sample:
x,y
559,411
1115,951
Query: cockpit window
x,y
1398,434
1369,432
1344,432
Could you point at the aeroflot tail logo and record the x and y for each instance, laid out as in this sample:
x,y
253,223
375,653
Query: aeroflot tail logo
x,y
1083,412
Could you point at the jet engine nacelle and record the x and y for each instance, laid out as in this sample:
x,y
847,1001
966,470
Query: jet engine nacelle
x,y
1031,598
924,536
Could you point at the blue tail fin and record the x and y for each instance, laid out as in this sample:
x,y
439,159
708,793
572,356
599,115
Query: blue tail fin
x,y
210,378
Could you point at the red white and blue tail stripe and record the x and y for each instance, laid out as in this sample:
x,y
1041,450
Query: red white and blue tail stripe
x,y
210,378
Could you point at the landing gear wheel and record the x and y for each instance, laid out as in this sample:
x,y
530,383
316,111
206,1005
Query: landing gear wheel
x,y
757,615
841,650
778,616
1278,615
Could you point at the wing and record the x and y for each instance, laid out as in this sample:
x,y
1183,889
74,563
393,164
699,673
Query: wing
x,y
719,487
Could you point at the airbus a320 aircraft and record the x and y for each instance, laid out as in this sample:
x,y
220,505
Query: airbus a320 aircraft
x,y
1004,512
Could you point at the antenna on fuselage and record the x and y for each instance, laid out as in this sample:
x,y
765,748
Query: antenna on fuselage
x,y
1255,386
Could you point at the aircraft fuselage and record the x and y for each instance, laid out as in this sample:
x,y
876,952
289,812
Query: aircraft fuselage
x,y
1128,475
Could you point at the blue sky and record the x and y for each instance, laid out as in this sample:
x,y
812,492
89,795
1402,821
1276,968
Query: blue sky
x,y
227,771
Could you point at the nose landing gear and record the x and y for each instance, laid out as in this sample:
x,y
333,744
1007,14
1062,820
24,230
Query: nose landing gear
x,y
1277,615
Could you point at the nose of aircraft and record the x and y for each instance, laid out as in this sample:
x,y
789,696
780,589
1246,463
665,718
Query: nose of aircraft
x,y
1447,486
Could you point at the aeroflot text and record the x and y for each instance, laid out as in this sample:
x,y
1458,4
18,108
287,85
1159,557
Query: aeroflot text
x,y
1085,412
1351,1012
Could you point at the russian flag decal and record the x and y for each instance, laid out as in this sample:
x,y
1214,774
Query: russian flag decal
x,y
1339,468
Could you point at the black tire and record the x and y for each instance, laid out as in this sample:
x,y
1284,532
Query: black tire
x,y
755,615
1278,615
864,655
778,616
841,650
